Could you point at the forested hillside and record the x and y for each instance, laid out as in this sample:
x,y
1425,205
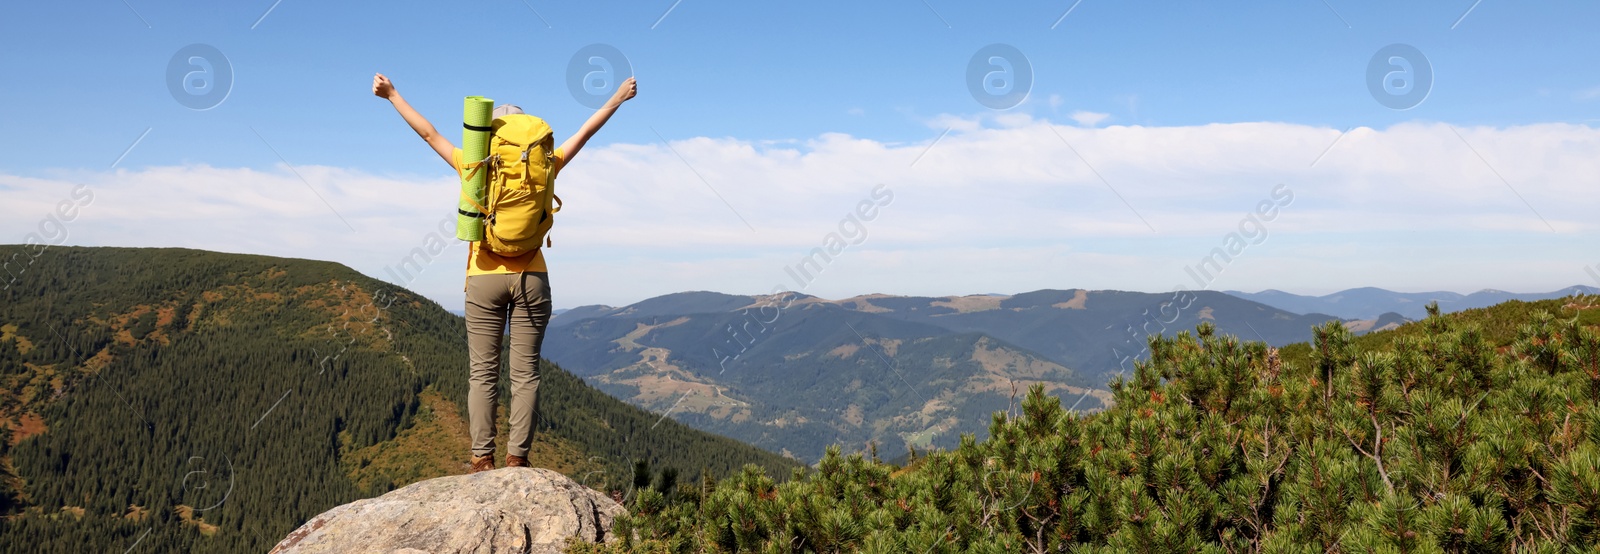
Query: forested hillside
x,y
806,377
1473,432
797,373
190,401
1096,333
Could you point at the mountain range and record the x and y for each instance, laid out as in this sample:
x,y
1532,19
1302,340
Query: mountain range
x,y
196,401
796,373
1371,302
1467,432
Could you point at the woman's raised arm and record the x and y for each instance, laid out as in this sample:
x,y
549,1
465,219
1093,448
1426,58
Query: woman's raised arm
x,y
570,148
385,89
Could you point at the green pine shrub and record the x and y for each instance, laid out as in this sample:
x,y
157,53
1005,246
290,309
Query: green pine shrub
x,y
1444,436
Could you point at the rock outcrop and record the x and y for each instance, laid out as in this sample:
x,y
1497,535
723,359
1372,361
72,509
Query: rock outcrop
x,y
520,510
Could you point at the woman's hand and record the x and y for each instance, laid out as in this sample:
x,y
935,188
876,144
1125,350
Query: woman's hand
x,y
626,91
571,147
382,88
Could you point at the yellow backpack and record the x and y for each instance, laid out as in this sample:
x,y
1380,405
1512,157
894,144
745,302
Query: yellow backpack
x,y
521,200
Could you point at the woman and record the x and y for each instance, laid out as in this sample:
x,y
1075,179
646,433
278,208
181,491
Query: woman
x,y
501,288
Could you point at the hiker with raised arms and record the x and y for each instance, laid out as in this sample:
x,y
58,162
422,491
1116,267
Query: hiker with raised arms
x,y
506,274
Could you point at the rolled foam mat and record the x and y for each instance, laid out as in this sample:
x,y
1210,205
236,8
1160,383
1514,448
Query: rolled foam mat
x,y
475,123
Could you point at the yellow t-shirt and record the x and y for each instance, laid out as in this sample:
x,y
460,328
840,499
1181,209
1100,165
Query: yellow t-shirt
x,y
482,261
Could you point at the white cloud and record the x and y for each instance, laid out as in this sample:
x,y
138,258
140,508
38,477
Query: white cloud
x,y
1089,119
999,204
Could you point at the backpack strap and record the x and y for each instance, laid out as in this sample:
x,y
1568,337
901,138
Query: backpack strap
x,y
466,175
493,162
474,166
525,151
482,211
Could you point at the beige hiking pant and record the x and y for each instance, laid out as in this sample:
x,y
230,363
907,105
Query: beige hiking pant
x,y
524,300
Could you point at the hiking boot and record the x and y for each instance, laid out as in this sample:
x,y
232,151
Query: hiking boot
x,y
516,461
482,463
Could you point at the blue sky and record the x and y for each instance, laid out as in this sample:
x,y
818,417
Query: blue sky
x,y
756,70
774,77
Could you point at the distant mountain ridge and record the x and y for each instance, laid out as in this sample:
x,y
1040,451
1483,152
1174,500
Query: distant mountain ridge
x,y
1372,302
797,372
1049,321
803,377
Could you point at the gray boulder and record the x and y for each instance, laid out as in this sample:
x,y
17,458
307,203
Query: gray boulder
x,y
523,510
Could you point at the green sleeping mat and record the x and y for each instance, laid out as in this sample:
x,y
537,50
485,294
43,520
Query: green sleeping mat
x,y
475,122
